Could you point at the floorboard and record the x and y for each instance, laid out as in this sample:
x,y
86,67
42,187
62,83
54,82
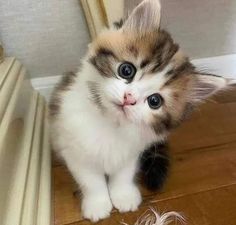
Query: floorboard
x,y
202,182
214,207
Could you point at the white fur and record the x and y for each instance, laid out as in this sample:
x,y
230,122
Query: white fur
x,y
94,144
124,193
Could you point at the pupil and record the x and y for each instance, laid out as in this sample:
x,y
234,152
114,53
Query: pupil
x,y
127,70
155,101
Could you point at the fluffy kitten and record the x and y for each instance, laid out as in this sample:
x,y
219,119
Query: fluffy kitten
x,y
113,117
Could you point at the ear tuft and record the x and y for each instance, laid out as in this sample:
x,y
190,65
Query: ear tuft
x,y
207,85
144,18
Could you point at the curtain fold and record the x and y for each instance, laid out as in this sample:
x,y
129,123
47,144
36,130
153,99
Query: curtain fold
x,y
102,13
95,16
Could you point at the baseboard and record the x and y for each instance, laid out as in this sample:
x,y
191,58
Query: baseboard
x,y
222,65
45,85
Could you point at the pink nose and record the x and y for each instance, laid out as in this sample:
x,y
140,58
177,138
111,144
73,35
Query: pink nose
x,y
129,99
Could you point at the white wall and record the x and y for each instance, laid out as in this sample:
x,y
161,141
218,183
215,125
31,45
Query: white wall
x,y
203,28
48,36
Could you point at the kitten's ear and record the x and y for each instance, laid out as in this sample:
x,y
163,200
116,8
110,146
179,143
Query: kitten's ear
x,y
207,85
145,17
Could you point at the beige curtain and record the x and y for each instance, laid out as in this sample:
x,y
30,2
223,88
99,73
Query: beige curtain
x,y
102,13
95,15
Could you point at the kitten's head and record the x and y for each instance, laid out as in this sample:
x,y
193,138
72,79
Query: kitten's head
x,y
138,73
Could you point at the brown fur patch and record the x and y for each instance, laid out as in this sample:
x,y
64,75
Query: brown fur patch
x,y
54,106
144,63
188,109
96,98
133,50
118,24
66,82
162,125
163,50
103,60
178,106
183,69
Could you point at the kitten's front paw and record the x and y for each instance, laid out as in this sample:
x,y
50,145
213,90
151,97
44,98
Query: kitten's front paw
x,y
125,198
96,208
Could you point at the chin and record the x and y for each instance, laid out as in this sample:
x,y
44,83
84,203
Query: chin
x,y
119,115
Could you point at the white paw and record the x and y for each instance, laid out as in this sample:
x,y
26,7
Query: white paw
x,y
96,208
125,198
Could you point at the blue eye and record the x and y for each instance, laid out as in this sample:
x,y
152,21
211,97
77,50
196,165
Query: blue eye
x,y
127,70
155,101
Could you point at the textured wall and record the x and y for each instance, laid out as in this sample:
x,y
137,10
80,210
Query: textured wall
x,y
203,28
48,36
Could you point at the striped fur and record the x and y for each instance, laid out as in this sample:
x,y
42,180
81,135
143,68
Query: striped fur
x,y
151,52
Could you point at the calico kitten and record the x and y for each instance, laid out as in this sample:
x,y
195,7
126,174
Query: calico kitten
x,y
113,117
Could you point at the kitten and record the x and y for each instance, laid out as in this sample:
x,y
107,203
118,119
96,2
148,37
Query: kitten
x,y
113,117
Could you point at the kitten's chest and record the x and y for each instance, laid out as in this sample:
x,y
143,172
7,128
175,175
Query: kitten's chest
x,y
112,146
116,149
118,139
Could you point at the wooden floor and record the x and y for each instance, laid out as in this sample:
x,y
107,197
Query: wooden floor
x,y
202,184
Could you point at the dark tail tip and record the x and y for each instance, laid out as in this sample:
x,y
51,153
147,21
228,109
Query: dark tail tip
x,y
154,165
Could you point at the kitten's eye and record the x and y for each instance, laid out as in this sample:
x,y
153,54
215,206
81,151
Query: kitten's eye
x,y
127,70
155,101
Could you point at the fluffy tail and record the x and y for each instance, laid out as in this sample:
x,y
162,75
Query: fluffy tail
x,y
151,217
154,165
